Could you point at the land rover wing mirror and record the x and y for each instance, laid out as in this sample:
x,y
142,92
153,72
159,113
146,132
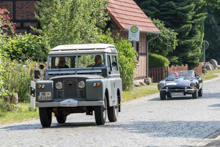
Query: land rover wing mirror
x,y
41,67
36,74
114,63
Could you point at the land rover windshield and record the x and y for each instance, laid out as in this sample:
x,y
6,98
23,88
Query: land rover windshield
x,y
76,61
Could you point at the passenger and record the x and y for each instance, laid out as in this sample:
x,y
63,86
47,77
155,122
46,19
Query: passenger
x,y
98,61
62,63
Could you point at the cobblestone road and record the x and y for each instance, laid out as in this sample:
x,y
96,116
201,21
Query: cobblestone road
x,y
145,121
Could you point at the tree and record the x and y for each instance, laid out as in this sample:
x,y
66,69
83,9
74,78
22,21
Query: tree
x,y
213,3
212,33
165,43
187,19
72,21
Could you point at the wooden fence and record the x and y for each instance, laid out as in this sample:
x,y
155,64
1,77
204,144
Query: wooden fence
x,y
159,73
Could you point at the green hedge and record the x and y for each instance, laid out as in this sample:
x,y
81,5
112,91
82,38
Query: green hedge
x,y
157,60
24,47
127,62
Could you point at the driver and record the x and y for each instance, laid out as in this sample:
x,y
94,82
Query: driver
x,y
62,63
176,74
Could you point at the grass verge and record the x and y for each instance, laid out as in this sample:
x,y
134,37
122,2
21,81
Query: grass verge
x,y
25,114
210,75
137,92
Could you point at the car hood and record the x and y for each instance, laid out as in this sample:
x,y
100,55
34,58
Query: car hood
x,y
178,82
86,76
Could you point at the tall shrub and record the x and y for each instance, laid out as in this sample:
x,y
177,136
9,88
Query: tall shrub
x,y
5,27
17,77
127,62
166,43
157,60
27,46
72,21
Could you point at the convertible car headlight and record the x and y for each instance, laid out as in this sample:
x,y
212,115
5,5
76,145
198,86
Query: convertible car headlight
x,y
192,84
161,85
59,85
81,84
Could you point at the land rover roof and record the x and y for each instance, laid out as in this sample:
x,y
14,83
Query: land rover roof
x,y
83,48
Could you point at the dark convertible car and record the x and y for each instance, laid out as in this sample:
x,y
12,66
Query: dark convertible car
x,y
180,83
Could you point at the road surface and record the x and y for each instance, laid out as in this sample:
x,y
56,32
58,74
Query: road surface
x,y
146,121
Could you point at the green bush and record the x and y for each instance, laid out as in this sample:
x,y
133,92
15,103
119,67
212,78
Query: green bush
x,y
23,47
157,60
127,62
17,78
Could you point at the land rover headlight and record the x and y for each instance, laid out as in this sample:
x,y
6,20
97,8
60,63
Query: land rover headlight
x,y
81,84
59,85
192,84
161,85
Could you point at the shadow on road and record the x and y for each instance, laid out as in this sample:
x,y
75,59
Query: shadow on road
x,y
185,129
189,97
53,125
74,125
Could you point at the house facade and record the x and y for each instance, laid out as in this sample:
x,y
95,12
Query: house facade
x,y
22,13
123,13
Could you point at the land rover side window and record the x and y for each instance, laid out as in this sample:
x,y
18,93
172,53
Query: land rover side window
x,y
109,62
85,61
114,63
62,62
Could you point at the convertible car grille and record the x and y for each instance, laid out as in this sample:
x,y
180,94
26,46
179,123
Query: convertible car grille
x,y
70,89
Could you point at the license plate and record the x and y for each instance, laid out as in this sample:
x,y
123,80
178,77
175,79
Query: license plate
x,y
177,94
42,96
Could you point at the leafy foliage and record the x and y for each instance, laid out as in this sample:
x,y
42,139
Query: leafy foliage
x,y
17,77
23,47
72,21
156,60
213,3
166,42
5,25
212,34
127,62
187,19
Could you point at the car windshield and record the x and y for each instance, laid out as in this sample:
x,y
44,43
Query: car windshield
x,y
181,73
78,61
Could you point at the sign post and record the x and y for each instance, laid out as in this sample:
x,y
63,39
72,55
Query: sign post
x,y
134,34
205,46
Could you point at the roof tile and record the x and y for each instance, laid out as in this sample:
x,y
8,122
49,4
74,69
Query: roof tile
x,y
126,13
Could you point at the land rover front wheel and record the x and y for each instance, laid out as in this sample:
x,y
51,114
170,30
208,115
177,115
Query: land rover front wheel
x,y
113,113
100,113
45,117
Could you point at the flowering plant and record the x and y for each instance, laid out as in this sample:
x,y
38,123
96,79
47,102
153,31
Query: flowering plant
x,y
5,24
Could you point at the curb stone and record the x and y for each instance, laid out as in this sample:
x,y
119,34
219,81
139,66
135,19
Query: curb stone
x,y
212,140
